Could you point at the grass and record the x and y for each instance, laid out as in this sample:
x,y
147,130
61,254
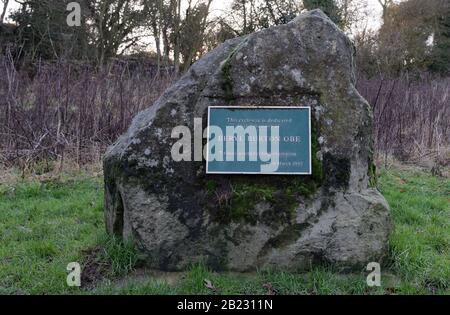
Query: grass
x,y
46,225
43,227
420,244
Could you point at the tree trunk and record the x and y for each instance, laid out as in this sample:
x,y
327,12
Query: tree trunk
x,y
158,50
5,8
176,53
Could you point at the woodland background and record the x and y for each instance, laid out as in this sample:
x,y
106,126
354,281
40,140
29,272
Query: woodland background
x,y
66,93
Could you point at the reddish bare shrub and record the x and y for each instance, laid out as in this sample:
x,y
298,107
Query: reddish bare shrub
x,y
69,109
64,109
411,115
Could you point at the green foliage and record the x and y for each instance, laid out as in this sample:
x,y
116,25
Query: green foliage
x,y
243,202
42,31
249,16
414,37
235,200
193,282
211,186
420,245
440,56
373,177
227,80
192,33
43,227
119,254
226,71
277,12
133,287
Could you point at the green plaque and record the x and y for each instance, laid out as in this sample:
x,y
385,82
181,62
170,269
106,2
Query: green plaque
x,y
259,140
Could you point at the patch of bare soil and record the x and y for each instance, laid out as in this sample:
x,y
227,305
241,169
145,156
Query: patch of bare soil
x,y
94,269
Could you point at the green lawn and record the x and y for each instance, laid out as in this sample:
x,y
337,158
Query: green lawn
x,y
44,226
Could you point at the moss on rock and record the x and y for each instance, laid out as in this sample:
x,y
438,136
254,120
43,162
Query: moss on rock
x,y
226,72
235,198
372,173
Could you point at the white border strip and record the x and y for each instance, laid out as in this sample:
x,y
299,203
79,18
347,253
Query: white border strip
x,y
261,107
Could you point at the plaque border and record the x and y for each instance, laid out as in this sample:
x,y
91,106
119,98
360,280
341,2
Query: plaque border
x,y
261,173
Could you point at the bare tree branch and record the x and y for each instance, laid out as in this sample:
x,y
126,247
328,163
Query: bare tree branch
x,y
5,8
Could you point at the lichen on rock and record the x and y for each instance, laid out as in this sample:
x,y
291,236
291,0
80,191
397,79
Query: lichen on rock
x,y
177,215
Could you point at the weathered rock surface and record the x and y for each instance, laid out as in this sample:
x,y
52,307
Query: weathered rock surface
x,y
177,215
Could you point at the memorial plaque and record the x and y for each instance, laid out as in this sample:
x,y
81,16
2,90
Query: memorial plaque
x,y
259,140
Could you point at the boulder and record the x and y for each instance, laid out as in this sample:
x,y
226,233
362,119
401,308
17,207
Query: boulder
x,y
177,215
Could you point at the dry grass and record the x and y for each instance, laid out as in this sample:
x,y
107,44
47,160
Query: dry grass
x,y
411,116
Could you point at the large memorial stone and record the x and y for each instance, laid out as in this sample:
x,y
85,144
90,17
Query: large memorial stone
x,y
177,214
